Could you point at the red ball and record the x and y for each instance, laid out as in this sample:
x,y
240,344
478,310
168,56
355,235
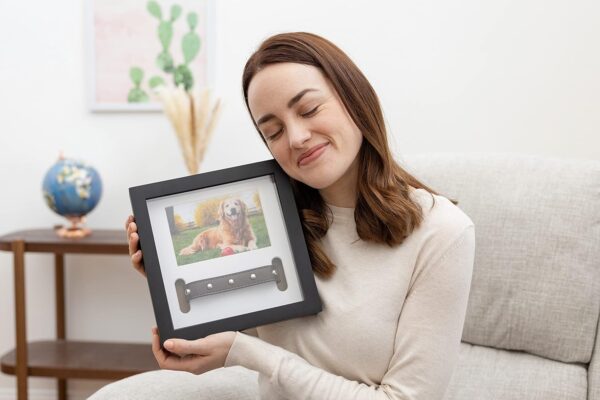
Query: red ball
x,y
227,251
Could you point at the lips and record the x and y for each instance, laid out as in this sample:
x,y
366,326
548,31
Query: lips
x,y
311,154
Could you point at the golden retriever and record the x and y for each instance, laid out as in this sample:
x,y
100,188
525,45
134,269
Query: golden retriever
x,y
205,240
234,231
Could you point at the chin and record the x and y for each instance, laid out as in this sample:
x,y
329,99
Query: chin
x,y
318,181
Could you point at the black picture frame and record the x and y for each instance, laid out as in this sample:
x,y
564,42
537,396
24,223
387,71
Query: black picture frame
x,y
264,279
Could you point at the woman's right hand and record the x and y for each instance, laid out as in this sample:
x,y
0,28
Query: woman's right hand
x,y
134,245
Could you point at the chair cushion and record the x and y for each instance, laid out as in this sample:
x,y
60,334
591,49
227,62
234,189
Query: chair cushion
x,y
484,373
536,279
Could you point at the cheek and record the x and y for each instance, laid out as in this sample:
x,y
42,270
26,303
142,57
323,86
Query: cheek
x,y
282,156
358,139
353,138
280,153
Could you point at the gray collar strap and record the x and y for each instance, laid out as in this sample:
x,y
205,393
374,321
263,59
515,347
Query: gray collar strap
x,y
226,283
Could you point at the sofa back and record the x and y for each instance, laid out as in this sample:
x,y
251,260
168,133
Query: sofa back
x,y
536,278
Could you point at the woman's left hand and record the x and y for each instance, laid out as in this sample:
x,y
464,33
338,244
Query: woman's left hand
x,y
195,356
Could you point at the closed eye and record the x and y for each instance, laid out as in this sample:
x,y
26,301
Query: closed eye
x,y
274,135
307,114
311,112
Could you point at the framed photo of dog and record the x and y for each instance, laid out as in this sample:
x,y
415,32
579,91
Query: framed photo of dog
x,y
224,250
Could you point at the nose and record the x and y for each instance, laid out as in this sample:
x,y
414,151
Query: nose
x,y
298,134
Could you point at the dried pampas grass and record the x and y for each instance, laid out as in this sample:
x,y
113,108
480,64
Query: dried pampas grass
x,y
194,119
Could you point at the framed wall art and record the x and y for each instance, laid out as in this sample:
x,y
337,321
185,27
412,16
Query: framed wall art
x,y
134,46
224,250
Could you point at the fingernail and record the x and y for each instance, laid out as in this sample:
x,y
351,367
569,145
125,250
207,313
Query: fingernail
x,y
169,344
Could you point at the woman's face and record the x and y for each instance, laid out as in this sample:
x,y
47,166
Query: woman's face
x,y
306,126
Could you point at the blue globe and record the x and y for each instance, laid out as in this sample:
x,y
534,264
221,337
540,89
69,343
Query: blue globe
x,y
72,188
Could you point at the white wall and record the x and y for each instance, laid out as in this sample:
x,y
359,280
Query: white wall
x,y
510,76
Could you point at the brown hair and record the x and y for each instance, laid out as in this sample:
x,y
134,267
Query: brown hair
x,y
384,211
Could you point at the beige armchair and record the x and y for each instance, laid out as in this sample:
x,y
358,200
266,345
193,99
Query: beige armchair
x,y
531,330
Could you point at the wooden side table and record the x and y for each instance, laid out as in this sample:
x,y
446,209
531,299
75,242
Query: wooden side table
x,y
62,358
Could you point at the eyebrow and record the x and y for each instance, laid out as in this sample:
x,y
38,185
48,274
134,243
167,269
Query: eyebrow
x,y
290,104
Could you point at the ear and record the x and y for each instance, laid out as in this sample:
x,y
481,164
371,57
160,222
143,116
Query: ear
x,y
243,207
221,210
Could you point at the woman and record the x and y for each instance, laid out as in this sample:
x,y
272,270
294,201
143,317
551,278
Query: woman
x,y
392,258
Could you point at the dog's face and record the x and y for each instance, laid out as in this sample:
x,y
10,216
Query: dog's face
x,y
232,210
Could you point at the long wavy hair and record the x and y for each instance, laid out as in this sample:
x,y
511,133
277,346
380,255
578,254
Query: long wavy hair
x,y
384,211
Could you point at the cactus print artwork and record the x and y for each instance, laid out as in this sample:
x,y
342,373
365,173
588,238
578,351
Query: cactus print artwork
x,y
141,44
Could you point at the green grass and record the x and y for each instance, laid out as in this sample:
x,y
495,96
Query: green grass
x,y
186,238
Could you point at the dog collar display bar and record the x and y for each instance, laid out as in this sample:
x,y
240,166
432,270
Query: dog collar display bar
x,y
226,283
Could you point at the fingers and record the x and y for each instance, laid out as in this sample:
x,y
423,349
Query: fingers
x,y
162,355
133,240
183,347
131,229
159,353
168,360
129,220
136,253
133,243
136,260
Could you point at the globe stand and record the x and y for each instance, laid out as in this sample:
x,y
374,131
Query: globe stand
x,y
74,231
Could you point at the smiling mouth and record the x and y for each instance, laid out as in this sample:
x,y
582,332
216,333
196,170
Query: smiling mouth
x,y
312,154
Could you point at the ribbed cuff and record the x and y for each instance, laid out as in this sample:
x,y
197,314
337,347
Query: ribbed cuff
x,y
255,354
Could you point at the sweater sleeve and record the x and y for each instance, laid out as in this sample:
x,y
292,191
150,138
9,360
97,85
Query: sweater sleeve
x,y
426,343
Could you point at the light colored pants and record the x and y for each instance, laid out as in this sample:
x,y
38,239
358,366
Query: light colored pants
x,y
233,383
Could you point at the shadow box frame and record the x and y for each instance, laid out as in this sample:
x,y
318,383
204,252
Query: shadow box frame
x,y
295,271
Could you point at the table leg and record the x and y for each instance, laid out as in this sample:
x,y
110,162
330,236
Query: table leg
x,y
18,248
59,282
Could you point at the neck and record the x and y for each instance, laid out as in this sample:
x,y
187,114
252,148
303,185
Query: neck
x,y
342,193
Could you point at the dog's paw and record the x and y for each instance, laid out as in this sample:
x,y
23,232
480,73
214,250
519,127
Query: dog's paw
x,y
186,252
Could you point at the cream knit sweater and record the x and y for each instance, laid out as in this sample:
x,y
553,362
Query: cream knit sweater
x,y
392,318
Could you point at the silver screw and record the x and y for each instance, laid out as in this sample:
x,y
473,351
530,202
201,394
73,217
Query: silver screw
x,y
231,281
253,276
209,286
